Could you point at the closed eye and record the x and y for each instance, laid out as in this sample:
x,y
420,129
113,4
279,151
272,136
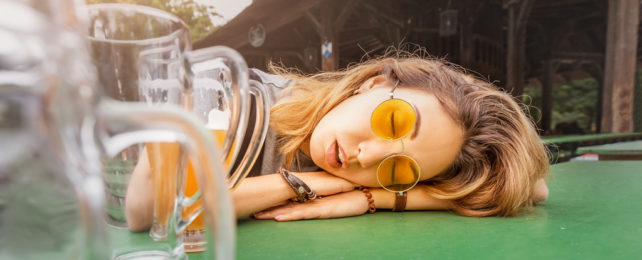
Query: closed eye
x,y
392,123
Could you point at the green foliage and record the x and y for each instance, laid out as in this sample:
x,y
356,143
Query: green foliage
x,y
195,15
575,102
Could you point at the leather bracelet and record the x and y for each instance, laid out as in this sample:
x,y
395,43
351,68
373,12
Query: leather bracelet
x,y
400,201
302,190
371,205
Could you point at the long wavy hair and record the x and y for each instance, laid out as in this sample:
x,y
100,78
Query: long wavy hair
x,y
501,158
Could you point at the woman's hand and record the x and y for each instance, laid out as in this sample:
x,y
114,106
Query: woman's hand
x,y
352,203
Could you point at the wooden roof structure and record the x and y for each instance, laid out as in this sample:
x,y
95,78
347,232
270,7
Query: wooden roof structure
x,y
506,41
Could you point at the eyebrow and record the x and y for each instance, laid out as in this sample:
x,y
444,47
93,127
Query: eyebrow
x,y
417,123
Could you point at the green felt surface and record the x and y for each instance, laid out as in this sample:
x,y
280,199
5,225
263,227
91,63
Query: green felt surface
x,y
593,212
621,148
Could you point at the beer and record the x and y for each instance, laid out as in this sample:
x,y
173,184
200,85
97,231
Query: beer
x,y
194,238
164,164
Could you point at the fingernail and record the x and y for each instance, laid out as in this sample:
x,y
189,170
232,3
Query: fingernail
x,y
279,217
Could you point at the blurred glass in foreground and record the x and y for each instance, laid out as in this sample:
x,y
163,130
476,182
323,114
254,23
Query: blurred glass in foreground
x,y
55,130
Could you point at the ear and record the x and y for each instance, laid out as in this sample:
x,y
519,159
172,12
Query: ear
x,y
371,83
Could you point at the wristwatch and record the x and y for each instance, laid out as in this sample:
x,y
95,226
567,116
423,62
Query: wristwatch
x,y
400,201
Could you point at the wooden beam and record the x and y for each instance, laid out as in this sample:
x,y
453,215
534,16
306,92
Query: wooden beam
x,y
352,30
578,56
424,30
558,4
315,22
595,41
380,14
620,66
346,11
508,3
235,35
296,54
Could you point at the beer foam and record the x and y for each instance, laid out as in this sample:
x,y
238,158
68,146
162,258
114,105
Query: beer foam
x,y
218,120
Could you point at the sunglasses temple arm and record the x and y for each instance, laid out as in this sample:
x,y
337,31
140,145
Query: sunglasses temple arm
x,y
393,89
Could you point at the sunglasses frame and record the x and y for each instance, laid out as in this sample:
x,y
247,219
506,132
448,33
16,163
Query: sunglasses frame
x,y
392,96
399,155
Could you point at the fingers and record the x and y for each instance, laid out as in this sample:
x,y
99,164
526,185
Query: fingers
x,y
347,204
290,212
297,215
273,212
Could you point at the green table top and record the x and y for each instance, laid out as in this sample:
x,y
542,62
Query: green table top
x,y
590,137
621,148
593,212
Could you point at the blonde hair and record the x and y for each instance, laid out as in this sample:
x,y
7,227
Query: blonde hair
x,y
501,158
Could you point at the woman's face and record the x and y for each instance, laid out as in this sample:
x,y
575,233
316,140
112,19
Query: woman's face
x,y
344,144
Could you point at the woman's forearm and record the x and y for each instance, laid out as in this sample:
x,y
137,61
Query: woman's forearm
x,y
263,192
139,201
259,193
420,199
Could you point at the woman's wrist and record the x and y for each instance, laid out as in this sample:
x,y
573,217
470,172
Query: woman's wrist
x,y
383,198
325,184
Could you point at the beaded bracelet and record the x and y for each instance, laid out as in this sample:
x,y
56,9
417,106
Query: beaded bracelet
x,y
371,204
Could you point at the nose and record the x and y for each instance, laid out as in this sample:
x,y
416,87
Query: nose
x,y
371,152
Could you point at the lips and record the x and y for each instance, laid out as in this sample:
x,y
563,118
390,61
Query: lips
x,y
331,155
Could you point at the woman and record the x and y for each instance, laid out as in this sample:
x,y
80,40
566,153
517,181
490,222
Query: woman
x,y
470,147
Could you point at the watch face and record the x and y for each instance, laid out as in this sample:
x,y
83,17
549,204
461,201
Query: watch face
x,y
256,35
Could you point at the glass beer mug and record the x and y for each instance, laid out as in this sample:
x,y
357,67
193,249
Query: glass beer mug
x,y
55,129
144,55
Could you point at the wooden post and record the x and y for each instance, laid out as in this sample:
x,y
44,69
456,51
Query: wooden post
x,y
329,34
327,26
619,67
547,95
466,20
600,104
511,56
518,12
597,72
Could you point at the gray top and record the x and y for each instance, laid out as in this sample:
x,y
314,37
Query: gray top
x,y
271,159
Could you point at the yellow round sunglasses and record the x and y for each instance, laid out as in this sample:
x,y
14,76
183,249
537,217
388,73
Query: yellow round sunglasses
x,y
392,120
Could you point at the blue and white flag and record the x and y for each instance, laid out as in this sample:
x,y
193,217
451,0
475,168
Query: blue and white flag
x,y
326,49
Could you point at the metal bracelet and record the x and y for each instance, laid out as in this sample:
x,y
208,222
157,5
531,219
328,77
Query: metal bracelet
x,y
302,190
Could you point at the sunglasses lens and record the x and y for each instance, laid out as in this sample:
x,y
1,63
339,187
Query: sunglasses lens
x,y
398,173
393,119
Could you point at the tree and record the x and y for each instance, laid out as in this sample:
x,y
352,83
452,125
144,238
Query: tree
x,y
573,103
195,15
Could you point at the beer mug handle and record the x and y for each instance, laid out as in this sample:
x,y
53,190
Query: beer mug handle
x,y
126,124
259,133
200,61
